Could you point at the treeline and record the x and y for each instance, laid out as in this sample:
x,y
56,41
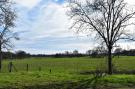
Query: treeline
x,y
120,52
22,54
16,55
100,52
92,53
75,53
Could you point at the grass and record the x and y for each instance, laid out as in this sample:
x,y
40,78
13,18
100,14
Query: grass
x,y
56,64
65,73
42,80
26,79
70,64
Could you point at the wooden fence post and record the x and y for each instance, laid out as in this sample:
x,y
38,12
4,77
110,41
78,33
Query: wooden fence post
x,y
50,71
14,67
39,68
27,67
10,66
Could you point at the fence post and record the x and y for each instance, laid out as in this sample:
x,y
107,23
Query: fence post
x,y
10,66
14,67
27,67
50,71
39,68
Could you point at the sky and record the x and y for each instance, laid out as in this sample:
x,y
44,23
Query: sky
x,y
43,28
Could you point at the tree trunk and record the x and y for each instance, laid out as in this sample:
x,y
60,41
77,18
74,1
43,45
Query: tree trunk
x,y
110,61
0,58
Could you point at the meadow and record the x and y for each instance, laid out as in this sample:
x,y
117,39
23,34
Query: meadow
x,y
66,73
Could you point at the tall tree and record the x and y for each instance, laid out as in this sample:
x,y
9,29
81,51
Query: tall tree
x,y
7,18
108,19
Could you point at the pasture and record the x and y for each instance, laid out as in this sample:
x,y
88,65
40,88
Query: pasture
x,y
70,65
64,73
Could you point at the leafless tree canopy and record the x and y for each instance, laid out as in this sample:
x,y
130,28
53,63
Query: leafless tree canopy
x,y
7,18
109,19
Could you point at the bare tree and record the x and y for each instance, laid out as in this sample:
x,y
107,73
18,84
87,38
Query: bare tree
x,y
89,52
7,18
75,52
108,19
118,51
101,50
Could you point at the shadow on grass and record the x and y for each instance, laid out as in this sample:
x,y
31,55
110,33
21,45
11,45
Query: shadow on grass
x,y
83,84
114,72
93,83
96,82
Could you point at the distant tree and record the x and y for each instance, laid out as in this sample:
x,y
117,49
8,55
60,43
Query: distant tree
x,y
89,52
118,51
94,53
75,52
7,55
101,50
98,51
66,52
7,18
21,54
108,19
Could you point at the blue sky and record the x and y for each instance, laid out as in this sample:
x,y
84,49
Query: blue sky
x,y
43,28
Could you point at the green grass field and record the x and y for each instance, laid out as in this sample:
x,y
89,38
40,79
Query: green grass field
x,y
65,73
71,65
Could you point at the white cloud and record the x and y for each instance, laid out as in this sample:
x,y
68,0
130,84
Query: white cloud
x,y
81,47
52,22
27,3
131,2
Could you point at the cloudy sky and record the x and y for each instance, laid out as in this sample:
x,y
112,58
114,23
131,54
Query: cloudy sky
x,y
43,28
